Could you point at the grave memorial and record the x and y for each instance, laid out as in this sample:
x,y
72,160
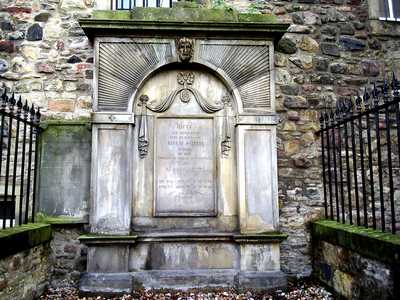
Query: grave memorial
x,y
184,167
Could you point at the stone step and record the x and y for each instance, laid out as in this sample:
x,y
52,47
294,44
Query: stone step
x,y
121,283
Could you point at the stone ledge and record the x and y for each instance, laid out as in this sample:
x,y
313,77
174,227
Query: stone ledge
x,y
384,247
90,239
20,238
181,20
60,220
273,237
51,123
119,283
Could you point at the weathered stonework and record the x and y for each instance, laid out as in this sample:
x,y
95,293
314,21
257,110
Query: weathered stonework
x,y
68,256
24,261
356,262
330,51
25,275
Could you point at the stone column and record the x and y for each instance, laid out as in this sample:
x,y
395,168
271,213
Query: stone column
x,y
257,175
258,202
111,197
111,204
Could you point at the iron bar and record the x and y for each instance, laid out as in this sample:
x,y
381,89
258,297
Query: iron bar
x,y
11,104
321,119
375,97
4,100
354,157
326,120
28,184
361,142
345,110
385,90
35,174
335,166
18,115
338,115
371,173
26,113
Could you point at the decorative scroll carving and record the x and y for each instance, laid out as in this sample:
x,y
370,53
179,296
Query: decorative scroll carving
x,y
226,143
185,49
185,79
143,141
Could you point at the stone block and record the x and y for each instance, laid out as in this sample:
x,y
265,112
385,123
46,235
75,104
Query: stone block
x,y
34,33
111,197
107,259
184,256
105,284
258,210
184,279
259,257
330,49
261,280
66,157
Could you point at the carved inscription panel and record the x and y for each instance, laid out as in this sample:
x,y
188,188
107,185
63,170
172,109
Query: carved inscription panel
x,y
185,167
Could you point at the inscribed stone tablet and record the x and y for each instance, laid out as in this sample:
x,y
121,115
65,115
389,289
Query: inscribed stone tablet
x,y
185,167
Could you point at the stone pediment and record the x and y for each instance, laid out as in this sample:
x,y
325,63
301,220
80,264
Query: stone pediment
x,y
236,46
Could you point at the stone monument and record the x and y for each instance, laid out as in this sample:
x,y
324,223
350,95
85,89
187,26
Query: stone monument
x,y
184,172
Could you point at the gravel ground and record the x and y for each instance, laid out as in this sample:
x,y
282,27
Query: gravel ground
x,y
303,290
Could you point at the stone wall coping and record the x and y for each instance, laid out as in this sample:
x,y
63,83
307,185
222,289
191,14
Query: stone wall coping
x,y
374,244
107,239
61,220
23,237
180,20
274,237
74,122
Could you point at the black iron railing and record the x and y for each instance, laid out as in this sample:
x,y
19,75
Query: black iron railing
x,y
131,4
19,131
390,10
360,158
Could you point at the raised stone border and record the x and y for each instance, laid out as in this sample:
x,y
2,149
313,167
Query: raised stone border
x,y
24,237
384,247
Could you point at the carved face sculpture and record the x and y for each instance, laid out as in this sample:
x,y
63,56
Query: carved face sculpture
x,y
185,49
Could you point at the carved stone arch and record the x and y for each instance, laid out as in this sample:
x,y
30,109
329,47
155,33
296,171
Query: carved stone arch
x,y
205,66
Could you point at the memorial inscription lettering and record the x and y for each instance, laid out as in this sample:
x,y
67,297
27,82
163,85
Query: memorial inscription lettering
x,y
185,167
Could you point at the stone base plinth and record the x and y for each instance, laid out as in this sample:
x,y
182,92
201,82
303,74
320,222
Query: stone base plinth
x,y
120,264
123,283
107,284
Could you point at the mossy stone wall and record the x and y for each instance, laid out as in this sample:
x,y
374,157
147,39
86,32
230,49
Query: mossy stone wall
x,y
356,262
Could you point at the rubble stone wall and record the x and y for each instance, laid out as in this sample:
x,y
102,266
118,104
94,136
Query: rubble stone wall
x,y
331,50
68,256
357,263
25,275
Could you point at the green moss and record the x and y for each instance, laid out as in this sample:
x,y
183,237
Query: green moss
x,y
58,220
182,15
77,121
20,238
371,243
